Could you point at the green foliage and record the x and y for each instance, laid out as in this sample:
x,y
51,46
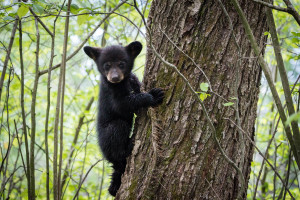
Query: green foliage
x,y
228,104
38,9
22,11
204,87
269,185
203,96
82,79
293,117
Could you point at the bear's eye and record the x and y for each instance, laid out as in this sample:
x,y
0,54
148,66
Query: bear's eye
x,y
106,66
122,65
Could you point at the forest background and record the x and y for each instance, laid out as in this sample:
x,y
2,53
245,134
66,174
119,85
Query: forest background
x,y
29,46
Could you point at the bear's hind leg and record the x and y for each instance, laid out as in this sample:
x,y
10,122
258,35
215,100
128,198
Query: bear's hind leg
x,y
119,169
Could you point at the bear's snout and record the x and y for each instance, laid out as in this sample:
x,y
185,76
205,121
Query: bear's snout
x,y
115,75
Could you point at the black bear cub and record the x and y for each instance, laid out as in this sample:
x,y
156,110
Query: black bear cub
x,y
120,97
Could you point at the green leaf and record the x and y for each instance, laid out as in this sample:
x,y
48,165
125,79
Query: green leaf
x,y
8,18
228,104
204,87
74,6
296,34
81,19
12,14
74,9
293,117
106,36
266,33
38,9
203,96
22,11
295,40
8,9
65,8
285,142
43,1
266,185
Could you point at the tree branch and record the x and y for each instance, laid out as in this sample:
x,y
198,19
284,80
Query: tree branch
x,y
48,111
60,97
41,22
87,38
11,41
87,173
292,11
33,102
23,108
77,131
290,8
271,5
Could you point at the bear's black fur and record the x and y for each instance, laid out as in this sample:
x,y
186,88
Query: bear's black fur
x,y
120,97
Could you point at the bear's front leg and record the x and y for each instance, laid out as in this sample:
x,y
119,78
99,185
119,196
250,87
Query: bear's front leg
x,y
143,100
158,96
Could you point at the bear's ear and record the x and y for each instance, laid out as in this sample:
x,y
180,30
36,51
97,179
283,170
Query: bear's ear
x,y
92,52
134,49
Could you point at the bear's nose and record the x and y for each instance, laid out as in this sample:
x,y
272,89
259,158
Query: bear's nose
x,y
115,78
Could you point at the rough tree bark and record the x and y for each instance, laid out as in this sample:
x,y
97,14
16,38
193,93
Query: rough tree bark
x,y
175,156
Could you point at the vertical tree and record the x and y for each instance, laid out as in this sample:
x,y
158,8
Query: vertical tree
x,y
176,153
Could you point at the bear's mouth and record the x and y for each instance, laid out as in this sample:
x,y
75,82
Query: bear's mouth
x,y
114,80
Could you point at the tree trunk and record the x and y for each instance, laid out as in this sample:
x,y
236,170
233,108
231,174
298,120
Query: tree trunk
x,y
175,156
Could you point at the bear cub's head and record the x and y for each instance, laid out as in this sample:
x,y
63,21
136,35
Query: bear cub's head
x,y
115,62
